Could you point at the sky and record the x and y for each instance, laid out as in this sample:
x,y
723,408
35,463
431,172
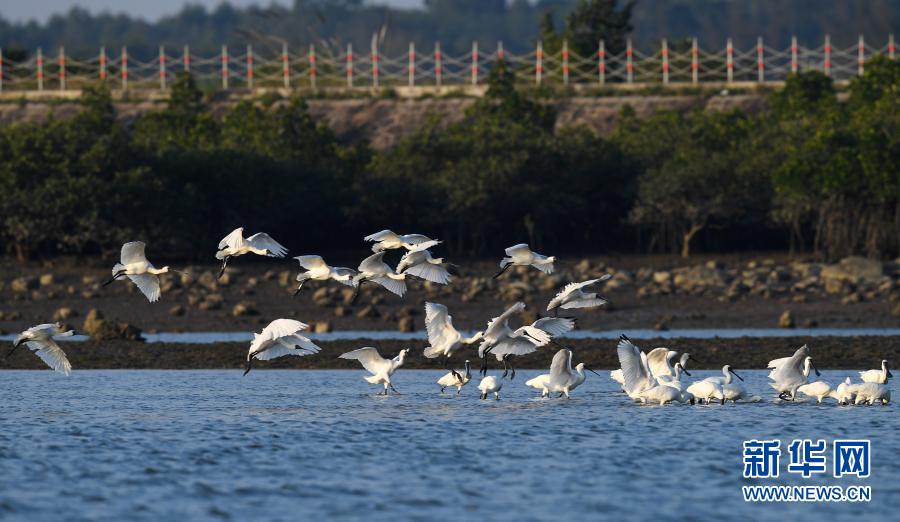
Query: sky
x,y
21,10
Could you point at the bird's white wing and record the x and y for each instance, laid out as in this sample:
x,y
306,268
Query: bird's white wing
x,y
46,328
521,248
546,268
584,303
421,241
499,321
307,347
311,262
133,252
233,240
346,275
789,367
555,326
394,286
374,263
633,371
656,359
513,346
409,259
264,241
282,328
439,325
369,357
430,272
560,364
148,284
52,354
382,236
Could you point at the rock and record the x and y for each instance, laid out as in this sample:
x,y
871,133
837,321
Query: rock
x,y
101,329
714,264
663,323
850,272
243,310
786,320
269,275
347,296
208,281
46,280
810,323
10,316
61,314
321,297
377,300
340,311
93,321
369,312
895,311
807,270
662,277
583,267
129,332
24,284
700,276
406,311
212,302
284,278
851,298
322,327
406,324
252,282
225,280
177,311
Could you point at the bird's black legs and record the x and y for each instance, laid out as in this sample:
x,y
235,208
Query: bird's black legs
x,y
224,264
392,388
114,277
300,287
483,395
249,365
14,348
504,269
356,291
505,368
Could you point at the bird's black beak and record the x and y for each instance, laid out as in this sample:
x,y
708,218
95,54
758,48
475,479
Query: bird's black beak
x,y
695,359
741,378
889,374
296,293
815,369
592,371
684,371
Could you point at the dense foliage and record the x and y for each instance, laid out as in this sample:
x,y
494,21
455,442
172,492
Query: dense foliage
x,y
456,23
814,171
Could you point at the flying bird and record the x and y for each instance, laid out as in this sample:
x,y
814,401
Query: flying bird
x,y
574,296
380,368
234,244
281,337
443,338
39,339
419,262
521,255
387,240
504,342
134,265
373,269
318,270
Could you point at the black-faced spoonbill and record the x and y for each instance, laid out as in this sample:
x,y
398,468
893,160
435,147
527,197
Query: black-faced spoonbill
x,y
387,240
281,337
318,270
521,255
871,393
877,376
443,338
640,384
380,368
373,269
562,377
789,373
134,265
234,244
419,262
454,378
39,339
574,296
503,341
488,385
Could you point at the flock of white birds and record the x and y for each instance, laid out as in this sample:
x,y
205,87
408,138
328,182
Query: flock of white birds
x,y
654,378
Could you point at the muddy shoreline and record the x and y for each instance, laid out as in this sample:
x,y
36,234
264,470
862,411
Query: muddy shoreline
x,y
855,353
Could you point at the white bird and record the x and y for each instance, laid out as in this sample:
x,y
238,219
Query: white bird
x,y
877,376
640,384
661,361
732,390
673,380
380,368
504,342
726,378
573,296
872,392
562,378
373,269
788,373
281,337
454,378
134,265
387,240
521,255
39,339
845,392
818,390
318,270
541,383
443,338
234,244
706,391
418,262
488,385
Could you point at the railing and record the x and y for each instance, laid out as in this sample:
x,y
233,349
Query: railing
x,y
312,68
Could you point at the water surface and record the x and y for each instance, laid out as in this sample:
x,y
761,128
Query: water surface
x,y
316,445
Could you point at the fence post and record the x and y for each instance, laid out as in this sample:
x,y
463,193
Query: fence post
x,y
411,68
374,64
285,66
629,61
794,54
601,66
891,46
350,66
474,63
186,59
313,69
664,53
103,63
538,62
565,62
162,68
861,58
760,61
695,62
249,66
827,63
124,66
729,61
62,68
40,69
224,66
438,73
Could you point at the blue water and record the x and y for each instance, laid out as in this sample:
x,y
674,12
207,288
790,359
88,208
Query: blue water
x,y
318,445
381,335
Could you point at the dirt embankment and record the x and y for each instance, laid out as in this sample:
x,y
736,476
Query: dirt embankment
x,y
384,122
747,353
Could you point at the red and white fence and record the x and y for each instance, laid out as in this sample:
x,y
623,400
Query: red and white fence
x,y
684,63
